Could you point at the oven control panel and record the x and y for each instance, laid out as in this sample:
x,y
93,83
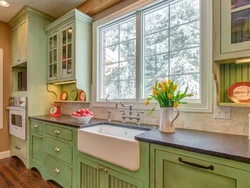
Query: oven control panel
x,y
18,101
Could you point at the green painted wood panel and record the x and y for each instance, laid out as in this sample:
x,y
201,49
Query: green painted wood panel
x,y
95,175
171,173
114,179
59,132
36,126
60,150
36,150
88,174
18,146
230,74
58,170
222,83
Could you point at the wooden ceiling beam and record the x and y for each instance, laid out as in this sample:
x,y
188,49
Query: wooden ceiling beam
x,y
92,7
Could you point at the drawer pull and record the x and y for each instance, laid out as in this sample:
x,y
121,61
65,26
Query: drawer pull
x,y
100,169
17,147
36,126
57,149
105,171
211,167
57,132
57,170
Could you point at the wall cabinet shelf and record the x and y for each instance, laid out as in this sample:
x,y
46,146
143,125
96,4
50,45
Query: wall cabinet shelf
x,y
232,29
69,50
227,73
73,93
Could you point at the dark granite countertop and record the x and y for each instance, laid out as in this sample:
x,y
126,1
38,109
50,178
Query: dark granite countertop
x,y
68,121
216,144
64,120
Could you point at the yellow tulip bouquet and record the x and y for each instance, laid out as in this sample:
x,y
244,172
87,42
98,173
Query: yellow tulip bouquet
x,y
165,93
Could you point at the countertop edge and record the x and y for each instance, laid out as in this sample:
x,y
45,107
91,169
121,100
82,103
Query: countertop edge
x,y
197,150
56,122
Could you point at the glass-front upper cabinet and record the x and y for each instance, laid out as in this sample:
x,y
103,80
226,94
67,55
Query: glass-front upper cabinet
x,y
66,62
53,56
235,25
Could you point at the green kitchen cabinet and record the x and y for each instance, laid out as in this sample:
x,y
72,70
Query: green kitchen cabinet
x,y
172,168
88,174
19,42
36,150
53,56
28,52
52,149
69,49
231,25
91,174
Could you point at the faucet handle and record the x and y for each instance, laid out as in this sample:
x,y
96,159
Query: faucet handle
x,y
109,116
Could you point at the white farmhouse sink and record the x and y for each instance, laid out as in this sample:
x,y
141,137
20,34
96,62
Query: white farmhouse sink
x,y
114,144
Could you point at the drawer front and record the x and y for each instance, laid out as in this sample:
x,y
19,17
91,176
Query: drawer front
x,y
195,172
59,171
19,147
36,126
59,150
59,132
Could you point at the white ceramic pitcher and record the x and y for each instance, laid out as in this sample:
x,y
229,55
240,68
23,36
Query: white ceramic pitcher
x,y
167,119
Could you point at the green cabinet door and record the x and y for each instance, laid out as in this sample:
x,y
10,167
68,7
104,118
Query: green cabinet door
x,y
88,174
36,150
53,56
175,171
67,48
114,179
94,175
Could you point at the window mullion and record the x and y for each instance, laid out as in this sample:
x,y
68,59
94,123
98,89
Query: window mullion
x,y
169,42
119,32
139,69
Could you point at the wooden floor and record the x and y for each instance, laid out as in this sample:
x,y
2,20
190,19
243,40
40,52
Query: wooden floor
x,y
14,174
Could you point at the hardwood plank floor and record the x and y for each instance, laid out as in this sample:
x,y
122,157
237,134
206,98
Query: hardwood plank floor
x,y
13,174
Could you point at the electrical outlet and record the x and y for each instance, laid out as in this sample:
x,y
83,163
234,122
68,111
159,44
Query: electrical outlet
x,y
221,112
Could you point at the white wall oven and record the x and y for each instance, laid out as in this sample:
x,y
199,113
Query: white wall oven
x,y
18,117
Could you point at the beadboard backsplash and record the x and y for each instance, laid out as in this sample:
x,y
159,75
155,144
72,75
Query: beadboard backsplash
x,y
238,124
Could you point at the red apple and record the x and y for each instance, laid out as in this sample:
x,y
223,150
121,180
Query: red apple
x,y
74,114
83,110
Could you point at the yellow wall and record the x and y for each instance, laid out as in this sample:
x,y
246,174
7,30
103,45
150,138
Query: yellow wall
x,y
5,45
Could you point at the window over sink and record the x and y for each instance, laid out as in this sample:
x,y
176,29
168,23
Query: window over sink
x,y
151,41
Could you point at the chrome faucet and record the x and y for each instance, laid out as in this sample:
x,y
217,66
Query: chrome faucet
x,y
109,116
130,117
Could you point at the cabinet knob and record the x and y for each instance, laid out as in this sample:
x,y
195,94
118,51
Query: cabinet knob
x,y
100,169
35,126
57,170
105,171
57,149
21,102
57,132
